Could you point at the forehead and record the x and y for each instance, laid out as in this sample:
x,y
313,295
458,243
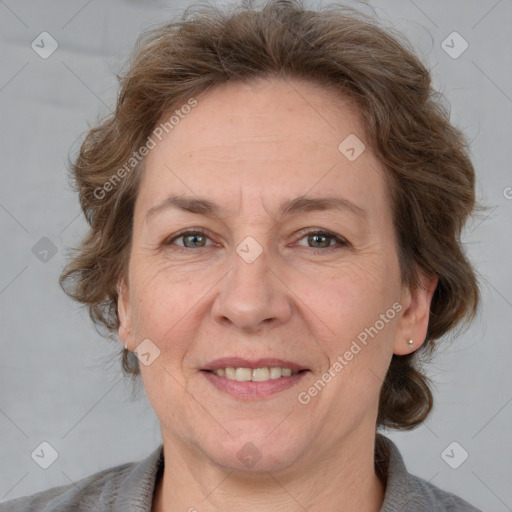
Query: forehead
x,y
270,140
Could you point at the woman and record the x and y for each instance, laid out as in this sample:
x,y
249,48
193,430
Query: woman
x,y
275,209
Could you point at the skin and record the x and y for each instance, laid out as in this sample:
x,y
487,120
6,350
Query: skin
x,y
248,148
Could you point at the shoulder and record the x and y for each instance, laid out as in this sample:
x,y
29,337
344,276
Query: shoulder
x,y
437,499
408,492
81,495
108,490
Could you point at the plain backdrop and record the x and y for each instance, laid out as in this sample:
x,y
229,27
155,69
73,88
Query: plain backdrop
x,y
61,383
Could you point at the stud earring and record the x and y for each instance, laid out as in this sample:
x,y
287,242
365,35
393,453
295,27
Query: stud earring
x,y
410,342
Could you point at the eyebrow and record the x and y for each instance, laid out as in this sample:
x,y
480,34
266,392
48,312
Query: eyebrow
x,y
289,207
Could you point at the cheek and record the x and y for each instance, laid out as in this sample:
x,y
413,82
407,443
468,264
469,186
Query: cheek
x,y
161,300
354,297
360,309
168,306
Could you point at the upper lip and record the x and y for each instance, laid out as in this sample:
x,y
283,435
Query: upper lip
x,y
239,362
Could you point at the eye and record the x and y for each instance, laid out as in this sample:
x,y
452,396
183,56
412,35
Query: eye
x,y
195,239
323,240
198,239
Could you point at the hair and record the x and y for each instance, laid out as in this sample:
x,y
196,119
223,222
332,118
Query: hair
x,y
429,173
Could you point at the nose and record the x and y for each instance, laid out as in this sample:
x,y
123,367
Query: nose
x,y
253,296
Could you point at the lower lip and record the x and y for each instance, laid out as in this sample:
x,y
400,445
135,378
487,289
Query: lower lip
x,y
252,390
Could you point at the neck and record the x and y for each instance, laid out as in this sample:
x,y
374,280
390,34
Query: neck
x,y
345,479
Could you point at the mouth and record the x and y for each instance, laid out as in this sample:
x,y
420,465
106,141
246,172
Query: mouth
x,y
262,374
243,378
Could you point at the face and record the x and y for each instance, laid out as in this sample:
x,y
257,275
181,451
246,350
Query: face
x,y
259,248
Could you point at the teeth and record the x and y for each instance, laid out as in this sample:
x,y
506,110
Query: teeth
x,y
275,372
260,374
254,375
243,374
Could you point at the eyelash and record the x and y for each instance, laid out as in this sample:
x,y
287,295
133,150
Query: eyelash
x,y
341,241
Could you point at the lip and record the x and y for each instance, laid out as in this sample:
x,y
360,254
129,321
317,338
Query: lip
x,y
253,390
238,362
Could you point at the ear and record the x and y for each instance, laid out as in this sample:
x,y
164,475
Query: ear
x,y
414,321
124,330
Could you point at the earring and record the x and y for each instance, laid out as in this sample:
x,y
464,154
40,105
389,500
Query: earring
x,y
410,342
126,344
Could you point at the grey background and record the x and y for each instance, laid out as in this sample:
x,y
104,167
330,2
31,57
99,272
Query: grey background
x,y
61,383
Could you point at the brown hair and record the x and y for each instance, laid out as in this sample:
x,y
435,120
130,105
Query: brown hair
x,y
430,175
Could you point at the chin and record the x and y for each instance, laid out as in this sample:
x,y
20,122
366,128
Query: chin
x,y
260,447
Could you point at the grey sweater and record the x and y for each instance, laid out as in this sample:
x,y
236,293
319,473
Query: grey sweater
x,y
129,488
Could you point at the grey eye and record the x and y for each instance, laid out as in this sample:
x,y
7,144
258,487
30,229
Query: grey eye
x,y
190,240
319,240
